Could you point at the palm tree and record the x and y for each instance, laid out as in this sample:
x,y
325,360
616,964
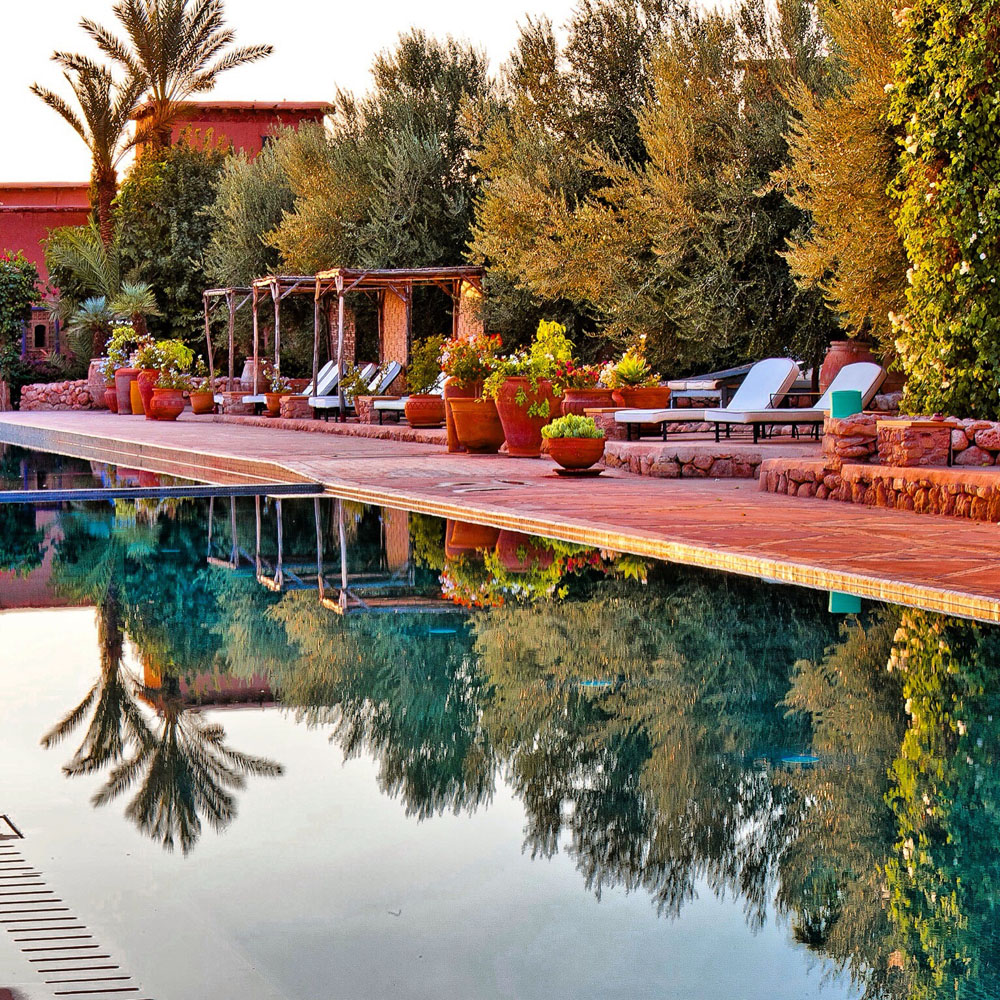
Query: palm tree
x,y
176,48
135,300
88,327
106,109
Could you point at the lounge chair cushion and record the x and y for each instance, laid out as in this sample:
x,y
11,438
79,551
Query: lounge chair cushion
x,y
769,416
659,416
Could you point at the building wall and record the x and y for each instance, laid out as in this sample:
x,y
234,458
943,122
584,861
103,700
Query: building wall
x,y
245,125
28,211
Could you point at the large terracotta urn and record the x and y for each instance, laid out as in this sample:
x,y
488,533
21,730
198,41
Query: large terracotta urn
x,y
457,390
578,400
146,380
523,430
839,354
477,425
96,381
124,377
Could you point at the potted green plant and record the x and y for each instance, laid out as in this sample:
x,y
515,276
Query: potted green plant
x,y
202,393
167,402
581,387
110,392
575,442
423,407
472,421
525,393
634,382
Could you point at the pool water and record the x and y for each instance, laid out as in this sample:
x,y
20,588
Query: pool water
x,y
308,749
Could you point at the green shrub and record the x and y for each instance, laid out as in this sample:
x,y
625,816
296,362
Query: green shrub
x,y
424,368
572,426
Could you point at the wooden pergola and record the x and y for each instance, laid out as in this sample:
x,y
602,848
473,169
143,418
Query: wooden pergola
x,y
391,287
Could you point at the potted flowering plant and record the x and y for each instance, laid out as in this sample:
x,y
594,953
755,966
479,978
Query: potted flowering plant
x,y
202,393
275,386
424,407
472,421
167,402
633,380
581,387
110,392
525,393
154,356
575,442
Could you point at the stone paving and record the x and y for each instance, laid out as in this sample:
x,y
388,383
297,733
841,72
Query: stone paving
x,y
927,561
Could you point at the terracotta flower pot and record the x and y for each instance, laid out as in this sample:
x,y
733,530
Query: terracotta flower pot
x,y
645,397
454,390
839,354
576,453
520,553
202,402
124,377
477,425
463,537
111,398
145,381
274,403
423,410
167,404
578,400
524,432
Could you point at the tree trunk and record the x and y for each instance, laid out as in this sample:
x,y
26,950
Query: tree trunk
x,y
107,189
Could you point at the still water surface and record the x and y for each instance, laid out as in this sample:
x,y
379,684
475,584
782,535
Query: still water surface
x,y
395,757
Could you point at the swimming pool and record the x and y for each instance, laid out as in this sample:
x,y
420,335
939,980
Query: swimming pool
x,y
303,748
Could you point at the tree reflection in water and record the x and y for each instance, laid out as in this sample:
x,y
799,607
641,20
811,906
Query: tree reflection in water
x,y
642,724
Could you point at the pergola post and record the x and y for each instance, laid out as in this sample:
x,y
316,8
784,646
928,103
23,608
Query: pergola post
x,y
208,343
256,338
340,346
316,298
231,303
277,325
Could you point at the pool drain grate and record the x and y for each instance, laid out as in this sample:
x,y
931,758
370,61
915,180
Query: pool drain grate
x,y
54,944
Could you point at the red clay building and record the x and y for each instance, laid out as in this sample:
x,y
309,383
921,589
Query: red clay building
x,y
247,125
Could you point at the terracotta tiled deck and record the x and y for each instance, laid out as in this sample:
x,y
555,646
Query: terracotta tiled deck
x,y
923,560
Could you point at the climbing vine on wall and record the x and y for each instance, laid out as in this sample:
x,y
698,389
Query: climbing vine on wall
x,y
946,100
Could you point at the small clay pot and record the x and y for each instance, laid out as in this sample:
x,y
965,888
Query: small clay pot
x,y
273,400
578,400
167,404
202,402
576,453
424,410
644,397
111,398
453,390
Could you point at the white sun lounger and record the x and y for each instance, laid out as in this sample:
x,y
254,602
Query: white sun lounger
x,y
381,381
863,376
765,386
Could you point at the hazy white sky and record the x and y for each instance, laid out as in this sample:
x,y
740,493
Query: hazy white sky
x,y
318,45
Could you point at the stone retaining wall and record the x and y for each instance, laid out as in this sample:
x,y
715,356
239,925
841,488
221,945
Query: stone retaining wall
x,y
679,462
74,395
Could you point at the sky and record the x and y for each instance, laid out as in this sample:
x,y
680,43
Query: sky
x,y
318,47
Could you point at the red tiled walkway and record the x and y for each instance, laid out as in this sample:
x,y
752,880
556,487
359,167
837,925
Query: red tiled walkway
x,y
935,562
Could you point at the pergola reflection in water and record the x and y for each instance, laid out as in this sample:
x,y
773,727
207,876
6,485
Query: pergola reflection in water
x,y
392,587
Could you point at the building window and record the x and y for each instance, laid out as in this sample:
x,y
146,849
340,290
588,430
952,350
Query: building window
x,y
41,336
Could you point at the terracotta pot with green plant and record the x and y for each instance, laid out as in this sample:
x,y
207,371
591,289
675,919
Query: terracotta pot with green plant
x,y
468,362
277,387
110,392
634,382
202,392
524,390
575,442
423,407
168,394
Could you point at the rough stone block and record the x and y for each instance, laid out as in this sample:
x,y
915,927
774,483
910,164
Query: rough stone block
x,y
973,455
